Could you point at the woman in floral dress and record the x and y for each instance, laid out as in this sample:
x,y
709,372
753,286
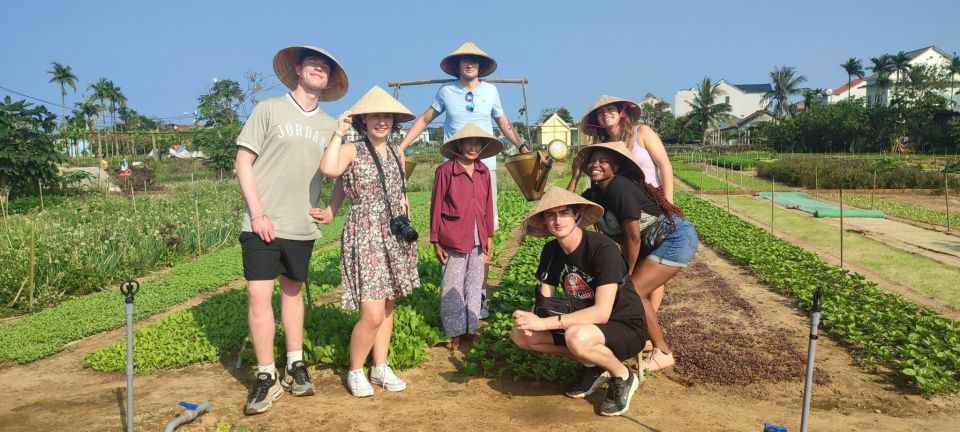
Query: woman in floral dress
x,y
378,266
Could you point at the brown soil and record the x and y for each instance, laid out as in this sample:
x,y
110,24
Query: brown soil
x,y
59,394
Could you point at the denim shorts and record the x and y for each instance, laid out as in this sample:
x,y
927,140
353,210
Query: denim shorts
x,y
679,247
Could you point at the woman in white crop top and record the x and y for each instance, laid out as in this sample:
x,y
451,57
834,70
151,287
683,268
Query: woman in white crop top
x,y
615,119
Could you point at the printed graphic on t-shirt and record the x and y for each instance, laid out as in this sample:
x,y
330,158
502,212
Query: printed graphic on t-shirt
x,y
575,283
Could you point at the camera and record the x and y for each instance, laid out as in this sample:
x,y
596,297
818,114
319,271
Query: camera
x,y
401,226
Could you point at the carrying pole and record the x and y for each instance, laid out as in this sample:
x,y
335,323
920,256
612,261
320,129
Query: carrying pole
x,y
811,351
129,289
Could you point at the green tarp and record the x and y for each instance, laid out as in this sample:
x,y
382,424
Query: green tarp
x,y
818,208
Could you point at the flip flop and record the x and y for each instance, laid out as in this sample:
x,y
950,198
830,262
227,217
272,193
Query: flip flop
x,y
454,343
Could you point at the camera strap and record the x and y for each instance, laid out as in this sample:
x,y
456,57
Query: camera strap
x,y
383,178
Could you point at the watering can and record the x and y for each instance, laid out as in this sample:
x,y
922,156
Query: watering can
x,y
408,166
530,170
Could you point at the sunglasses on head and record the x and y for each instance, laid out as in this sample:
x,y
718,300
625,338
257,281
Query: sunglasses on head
x,y
469,98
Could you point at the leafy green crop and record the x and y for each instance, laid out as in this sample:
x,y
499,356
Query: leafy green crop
x,y
918,346
901,210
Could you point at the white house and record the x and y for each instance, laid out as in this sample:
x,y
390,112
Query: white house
x,y
856,89
744,99
929,56
424,135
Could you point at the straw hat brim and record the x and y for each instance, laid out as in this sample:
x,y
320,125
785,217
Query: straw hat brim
x,y
285,62
451,63
626,161
590,128
377,100
534,225
491,145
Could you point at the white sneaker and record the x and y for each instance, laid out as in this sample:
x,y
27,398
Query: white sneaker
x,y
484,305
383,376
358,384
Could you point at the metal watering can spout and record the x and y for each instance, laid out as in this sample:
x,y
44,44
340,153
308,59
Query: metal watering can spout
x,y
530,170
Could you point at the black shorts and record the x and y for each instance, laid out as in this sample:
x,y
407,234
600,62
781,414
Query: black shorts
x,y
624,340
267,261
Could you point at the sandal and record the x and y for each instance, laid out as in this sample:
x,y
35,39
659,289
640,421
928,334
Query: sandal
x,y
454,343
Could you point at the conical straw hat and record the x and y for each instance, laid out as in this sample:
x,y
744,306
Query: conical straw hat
x,y
589,124
284,65
491,145
533,224
451,63
377,100
626,159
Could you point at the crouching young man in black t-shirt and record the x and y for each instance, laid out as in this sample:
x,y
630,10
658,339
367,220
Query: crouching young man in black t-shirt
x,y
610,327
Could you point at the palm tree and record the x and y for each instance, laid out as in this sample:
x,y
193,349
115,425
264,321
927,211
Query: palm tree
x,y
900,64
953,68
63,76
812,96
853,67
882,68
101,92
786,83
90,110
705,110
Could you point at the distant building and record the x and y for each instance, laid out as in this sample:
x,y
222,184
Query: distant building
x,y
738,131
423,138
867,88
553,128
744,99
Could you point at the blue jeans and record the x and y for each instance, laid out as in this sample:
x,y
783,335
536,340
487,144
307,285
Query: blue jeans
x,y
679,247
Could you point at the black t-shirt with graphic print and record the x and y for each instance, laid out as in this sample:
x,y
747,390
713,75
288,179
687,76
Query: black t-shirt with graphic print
x,y
595,262
623,199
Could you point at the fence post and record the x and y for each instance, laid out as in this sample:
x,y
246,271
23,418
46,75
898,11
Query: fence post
x,y
726,187
841,223
773,187
946,197
874,190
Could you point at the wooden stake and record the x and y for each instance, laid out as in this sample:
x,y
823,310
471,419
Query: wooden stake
x,y
31,281
196,220
946,197
841,223
773,187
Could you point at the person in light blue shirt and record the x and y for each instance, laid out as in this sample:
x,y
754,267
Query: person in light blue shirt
x,y
468,100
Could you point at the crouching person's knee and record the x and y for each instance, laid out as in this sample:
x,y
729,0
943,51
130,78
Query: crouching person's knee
x,y
520,338
577,340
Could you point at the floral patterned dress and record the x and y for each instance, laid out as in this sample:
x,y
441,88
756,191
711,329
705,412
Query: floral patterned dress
x,y
375,263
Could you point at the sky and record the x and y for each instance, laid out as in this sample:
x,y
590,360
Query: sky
x,y
164,55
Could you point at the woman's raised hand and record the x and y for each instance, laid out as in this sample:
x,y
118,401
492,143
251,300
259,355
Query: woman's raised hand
x,y
344,122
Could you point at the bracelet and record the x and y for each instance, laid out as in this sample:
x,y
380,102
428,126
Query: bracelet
x,y
258,217
560,320
338,134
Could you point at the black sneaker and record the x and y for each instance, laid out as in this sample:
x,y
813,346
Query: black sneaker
x,y
590,379
296,380
264,392
619,393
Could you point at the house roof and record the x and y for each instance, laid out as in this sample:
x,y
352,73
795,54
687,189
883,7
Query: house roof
x,y
756,114
916,53
753,88
853,84
565,124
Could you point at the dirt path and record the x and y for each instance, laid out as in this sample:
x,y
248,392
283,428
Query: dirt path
x,y
59,394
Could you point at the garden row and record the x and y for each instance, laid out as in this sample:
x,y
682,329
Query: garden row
x,y
43,333
88,242
900,210
209,331
913,345
836,173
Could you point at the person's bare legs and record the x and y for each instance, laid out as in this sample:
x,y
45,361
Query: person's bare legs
x,y
291,313
381,343
260,319
586,343
647,277
656,297
372,314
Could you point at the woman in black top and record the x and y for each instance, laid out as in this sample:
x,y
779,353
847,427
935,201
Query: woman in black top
x,y
608,325
632,210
